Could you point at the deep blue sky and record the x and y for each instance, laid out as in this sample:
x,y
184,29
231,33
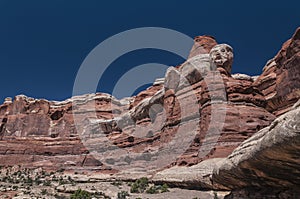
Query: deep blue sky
x,y
43,43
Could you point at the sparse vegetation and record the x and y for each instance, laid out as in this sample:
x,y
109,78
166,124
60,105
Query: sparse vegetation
x,y
140,185
123,195
164,188
81,194
38,183
153,190
47,183
158,189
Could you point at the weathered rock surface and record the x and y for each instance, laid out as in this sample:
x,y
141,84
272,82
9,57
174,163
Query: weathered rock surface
x,y
222,56
279,81
195,100
269,159
38,133
254,193
194,177
203,45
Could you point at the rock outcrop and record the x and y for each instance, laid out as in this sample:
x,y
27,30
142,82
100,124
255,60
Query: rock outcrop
x,y
203,45
199,103
279,81
270,159
38,133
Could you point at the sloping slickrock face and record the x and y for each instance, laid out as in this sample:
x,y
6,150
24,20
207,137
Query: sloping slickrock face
x,y
270,158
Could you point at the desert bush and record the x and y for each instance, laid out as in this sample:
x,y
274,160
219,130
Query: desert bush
x,y
139,186
123,195
164,188
153,190
81,194
158,189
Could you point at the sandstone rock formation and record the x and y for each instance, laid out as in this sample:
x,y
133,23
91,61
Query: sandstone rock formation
x,y
279,81
270,159
222,56
195,100
203,45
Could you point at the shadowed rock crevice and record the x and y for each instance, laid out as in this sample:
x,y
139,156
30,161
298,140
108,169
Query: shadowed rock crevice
x,y
57,115
2,127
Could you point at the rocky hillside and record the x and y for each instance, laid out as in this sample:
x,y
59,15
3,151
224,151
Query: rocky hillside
x,y
200,103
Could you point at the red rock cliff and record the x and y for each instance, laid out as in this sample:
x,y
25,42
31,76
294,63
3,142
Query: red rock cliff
x,y
42,133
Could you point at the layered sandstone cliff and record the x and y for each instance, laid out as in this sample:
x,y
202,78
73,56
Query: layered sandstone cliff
x,y
279,81
38,133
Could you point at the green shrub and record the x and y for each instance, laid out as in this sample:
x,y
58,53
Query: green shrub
x,y
29,180
123,195
139,186
81,194
158,189
153,190
47,183
164,188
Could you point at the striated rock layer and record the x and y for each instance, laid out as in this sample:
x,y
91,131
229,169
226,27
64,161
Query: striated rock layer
x,y
279,81
269,159
43,133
